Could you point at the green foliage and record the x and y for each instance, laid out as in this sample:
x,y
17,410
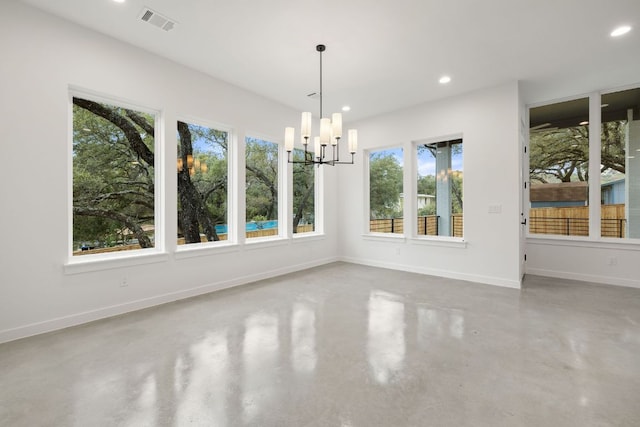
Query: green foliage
x,y
562,155
303,192
456,191
427,185
612,150
427,210
111,181
209,176
385,185
261,179
259,220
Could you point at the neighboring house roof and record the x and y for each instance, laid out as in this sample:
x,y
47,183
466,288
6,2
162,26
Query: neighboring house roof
x,y
560,192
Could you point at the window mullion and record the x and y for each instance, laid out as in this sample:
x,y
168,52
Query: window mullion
x,y
594,166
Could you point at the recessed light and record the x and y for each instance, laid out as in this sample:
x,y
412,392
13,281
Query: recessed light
x,y
584,123
119,1
624,29
346,108
444,80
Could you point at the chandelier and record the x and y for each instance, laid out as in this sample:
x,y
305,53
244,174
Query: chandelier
x,y
326,148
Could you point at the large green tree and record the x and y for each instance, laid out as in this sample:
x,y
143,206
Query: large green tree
x,y
562,155
385,186
261,180
427,183
114,187
303,191
113,173
202,182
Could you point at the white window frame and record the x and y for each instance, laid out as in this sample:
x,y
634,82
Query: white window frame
x,y
367,233
594,239
205,248
284,228
413,173
318,205
94,262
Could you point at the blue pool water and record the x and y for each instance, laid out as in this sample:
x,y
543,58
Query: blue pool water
x,y
251,226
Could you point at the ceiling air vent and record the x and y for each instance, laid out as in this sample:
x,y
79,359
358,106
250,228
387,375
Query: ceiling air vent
x,y
157,20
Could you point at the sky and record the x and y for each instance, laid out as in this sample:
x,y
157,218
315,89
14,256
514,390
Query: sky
x,y
426,161
201,145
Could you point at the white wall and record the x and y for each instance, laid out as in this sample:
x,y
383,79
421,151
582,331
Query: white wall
x,y
611,263
41,57
488,121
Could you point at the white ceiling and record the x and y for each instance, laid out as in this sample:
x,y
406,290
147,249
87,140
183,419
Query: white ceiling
x,y
382,55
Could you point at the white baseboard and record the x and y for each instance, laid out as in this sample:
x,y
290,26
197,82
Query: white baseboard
x,y
607,280
487,280
115,310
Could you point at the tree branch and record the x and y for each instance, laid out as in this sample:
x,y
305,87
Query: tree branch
x,y
130,131
141,121
130,223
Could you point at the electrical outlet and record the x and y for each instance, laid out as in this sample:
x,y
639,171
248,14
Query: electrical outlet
x,y
495,209
612,260
124,283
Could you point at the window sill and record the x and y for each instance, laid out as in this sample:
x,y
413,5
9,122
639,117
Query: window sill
x,y
265,242
450,242
584,242
384,237
307,237
90,263
205,249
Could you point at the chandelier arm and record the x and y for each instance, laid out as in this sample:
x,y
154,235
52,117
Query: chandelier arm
x,y
320,157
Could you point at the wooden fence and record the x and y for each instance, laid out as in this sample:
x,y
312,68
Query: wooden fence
x,y
427,225
574,221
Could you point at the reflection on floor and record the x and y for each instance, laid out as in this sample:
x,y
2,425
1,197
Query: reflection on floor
x,y
342,345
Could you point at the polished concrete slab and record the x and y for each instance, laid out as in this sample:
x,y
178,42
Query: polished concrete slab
x,y
342,345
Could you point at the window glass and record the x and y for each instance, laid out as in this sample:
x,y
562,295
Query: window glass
x,y
385,191
202,169
303,195
113,178
620,164
439,188
261,188
559,168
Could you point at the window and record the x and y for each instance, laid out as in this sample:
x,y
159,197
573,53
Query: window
x,y
559,168
620,164
303,195
261,188
202,168
385,191
113,177
561,159
439,188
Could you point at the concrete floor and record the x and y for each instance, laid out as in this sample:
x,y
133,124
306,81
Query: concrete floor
x,y
342,345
